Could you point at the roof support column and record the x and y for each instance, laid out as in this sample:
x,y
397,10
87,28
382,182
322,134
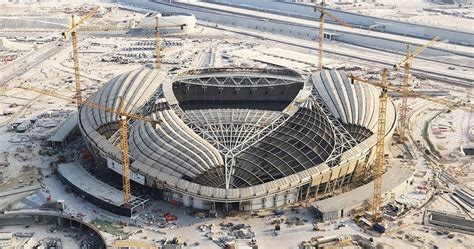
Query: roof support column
x,y
229,163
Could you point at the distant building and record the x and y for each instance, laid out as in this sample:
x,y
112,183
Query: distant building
x,y
170,23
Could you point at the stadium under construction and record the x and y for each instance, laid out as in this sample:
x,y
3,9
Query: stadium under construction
x,y
239,139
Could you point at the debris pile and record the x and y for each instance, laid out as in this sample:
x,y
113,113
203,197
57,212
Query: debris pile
x,y
229,234
200,214
174,243
295,221
49,242
159,218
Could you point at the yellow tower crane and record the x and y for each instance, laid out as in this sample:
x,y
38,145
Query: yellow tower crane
x,y
406,62
157,39
379,150
123,126
72,31
157,43
324,13
380,146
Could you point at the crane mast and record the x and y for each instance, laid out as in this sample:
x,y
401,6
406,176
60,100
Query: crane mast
x,y
127,193
75,54
404,106
75,57
158,38
406,63
157,44
379,150
321,35
324,13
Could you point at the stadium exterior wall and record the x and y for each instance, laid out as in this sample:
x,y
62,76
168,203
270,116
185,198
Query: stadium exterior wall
x,y
97,201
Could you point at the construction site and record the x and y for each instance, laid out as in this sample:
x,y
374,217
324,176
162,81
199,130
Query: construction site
x,y
236,124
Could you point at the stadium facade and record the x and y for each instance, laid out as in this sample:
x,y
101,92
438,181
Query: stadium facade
x,y
244,138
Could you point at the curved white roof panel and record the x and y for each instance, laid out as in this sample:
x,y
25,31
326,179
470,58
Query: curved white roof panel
x,y
353,104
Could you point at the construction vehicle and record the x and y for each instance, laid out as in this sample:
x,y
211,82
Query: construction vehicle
x,y
406,62
72,31
380,146
324,13
123,128
378,228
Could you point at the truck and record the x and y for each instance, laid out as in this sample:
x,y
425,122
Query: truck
x,y
378,228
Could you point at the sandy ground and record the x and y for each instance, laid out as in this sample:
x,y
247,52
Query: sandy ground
x,y
448,140
56,72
